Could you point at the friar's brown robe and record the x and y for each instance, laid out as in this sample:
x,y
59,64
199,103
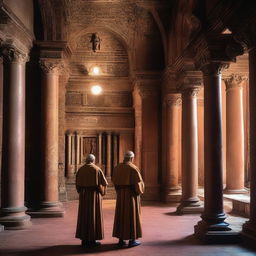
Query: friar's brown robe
x,y
90,184
129,186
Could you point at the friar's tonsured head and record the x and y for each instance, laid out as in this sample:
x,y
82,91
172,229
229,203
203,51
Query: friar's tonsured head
x,y
90,158
128,156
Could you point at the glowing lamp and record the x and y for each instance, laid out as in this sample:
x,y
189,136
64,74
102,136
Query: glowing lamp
x,y
96,71
96,90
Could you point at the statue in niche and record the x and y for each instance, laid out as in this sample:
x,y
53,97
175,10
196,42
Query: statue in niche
x,y
95,40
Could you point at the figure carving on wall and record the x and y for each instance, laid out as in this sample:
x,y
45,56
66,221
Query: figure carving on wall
x,y
95,40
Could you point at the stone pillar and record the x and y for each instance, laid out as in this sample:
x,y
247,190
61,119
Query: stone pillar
x,y
77,151
115,149
1,123
249,228
70,167
50,205
172,188
108,169
100,148
212,224
12,214
235,134
190,202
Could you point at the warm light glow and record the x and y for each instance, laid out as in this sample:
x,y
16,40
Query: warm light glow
x,y
96,71
96,90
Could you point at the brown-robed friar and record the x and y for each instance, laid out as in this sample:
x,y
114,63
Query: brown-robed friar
x,y
129,186
91,186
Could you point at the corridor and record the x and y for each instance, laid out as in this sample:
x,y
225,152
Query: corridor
x,y
164,233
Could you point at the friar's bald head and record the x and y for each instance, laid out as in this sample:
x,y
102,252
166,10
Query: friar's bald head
x,y
128,156
90,159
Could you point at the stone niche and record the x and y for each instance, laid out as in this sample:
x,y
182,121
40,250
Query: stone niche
x,y
99,124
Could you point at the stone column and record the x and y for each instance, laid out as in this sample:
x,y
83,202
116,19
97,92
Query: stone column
x,y
1,121
249,228
172,188
212,224
77,151
100,148
81,149
70,169
190,202
108,169
115,149
12,213
235,134
50,205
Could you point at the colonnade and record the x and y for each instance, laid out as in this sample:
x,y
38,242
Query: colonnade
x,y
106,150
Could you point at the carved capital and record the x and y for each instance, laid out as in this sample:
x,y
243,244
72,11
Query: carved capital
x,y
191,92
214,68
51,66
173,99
235,80
218,49
12,55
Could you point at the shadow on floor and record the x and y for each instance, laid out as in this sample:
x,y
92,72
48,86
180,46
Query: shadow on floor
x,y
62,250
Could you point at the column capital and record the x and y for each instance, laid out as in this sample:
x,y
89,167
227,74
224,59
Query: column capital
x,y
173,99
12,55
214,68
215,52
191,91
235,80
51,66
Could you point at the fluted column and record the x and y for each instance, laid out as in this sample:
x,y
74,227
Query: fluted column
x,y
12,213
172,188
50,205
249,228
100,148
235,134
212,223
190,202
108,169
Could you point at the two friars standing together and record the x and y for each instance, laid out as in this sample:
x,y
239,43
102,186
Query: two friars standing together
x,y
91,185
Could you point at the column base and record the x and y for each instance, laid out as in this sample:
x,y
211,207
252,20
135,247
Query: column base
x,y
14,218
248,234
172,195
190,206
216,233
48,210
236,191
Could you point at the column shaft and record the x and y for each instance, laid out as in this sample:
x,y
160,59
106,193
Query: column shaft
x,y
235,135
108,170
100,148
173,103
189,202
70,171
13,156
213,216
50,205
77,151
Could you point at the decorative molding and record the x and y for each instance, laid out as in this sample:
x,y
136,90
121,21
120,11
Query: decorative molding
x,y
235,80
12,55
191,92
51,66
221,49
173,99
214,68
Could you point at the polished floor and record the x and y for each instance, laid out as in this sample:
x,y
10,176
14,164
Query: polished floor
x,y
164,234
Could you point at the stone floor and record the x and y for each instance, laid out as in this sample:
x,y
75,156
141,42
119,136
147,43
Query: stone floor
x,y
164,233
